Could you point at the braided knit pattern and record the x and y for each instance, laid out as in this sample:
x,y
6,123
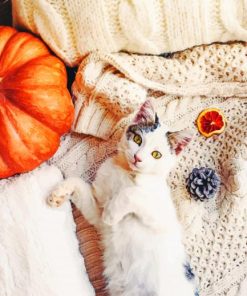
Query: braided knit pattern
x,y
73,28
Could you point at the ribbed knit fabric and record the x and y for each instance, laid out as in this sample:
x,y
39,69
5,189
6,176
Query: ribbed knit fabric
x,y
73,28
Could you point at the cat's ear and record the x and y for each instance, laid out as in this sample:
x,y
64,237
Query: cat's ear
x,y
179,140
146,114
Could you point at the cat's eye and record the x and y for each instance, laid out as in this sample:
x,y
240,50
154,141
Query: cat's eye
x,y
156,154
137,139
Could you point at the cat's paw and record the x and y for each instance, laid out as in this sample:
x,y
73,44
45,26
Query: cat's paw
x,y
55,201
57,197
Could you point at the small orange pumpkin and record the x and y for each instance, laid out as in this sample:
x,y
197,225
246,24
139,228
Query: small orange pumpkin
x,y
35,105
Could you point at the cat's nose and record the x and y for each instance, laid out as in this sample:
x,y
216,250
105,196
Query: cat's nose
x,y
137,158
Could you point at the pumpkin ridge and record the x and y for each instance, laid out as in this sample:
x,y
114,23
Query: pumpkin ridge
x,y
32,156
12,121
6,161
33,115
22,65
32,60
61,71
5,45
5,168
28,39
13,166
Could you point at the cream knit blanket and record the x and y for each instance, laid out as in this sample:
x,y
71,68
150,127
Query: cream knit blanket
x,y
73,28
108,88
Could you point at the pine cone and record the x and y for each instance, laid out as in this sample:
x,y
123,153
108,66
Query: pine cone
x,y
202,183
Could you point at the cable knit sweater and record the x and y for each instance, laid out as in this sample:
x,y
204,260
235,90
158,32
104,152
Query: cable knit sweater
x,y
109,88
73,28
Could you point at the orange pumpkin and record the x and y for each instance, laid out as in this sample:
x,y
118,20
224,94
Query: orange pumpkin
x,y
35,105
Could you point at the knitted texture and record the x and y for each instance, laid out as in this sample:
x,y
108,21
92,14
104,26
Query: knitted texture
x,y
109,88
73,28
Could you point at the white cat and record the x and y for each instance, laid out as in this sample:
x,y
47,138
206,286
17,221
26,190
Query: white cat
x,y
130,204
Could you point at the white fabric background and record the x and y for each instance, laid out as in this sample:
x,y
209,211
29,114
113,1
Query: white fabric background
x,y
39,253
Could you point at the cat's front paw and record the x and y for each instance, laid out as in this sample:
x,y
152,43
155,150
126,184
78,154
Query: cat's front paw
x,y
55,201
57,197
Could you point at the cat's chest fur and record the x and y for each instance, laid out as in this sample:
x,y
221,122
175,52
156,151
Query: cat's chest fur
x,y
152,191
112,179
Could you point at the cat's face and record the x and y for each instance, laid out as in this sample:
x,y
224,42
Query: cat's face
x,y
147,144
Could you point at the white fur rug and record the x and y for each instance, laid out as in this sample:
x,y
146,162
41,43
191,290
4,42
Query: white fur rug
x,y
39,253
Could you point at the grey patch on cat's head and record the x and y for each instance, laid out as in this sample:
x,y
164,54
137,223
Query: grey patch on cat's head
x,y
144,127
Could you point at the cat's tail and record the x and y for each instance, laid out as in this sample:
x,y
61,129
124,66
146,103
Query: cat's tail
x,y
190,275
